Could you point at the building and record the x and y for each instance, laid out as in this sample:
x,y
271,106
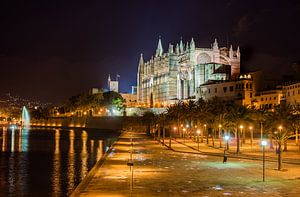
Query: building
x,y
130,100
113,85
95,91
268,99
291,93
176,74
240,91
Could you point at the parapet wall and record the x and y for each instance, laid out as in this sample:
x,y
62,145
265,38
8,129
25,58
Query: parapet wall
x,y
107,122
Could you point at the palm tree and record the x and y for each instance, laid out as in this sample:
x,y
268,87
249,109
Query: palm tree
x,y
295,120
176,113
148,119
281,138
201,114
280,119
236,116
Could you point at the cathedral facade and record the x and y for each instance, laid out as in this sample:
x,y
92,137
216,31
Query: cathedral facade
x,y
176,74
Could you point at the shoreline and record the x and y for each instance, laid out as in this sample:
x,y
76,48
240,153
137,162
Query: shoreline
x,y
86,180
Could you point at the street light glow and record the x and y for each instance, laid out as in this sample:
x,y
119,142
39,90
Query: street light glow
x,y
226,137
241,126
264,143
198,131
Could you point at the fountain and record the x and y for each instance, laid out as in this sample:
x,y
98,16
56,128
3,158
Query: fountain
x,y
25,118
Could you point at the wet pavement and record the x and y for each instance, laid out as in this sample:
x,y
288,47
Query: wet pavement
x,y
160,171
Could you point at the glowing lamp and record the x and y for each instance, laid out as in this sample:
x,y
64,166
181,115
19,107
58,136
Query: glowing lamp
x,y
264,143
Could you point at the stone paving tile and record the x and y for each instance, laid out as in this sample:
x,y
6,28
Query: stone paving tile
x,y
159,171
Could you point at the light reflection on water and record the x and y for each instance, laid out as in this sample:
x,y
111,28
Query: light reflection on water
x,y
43,162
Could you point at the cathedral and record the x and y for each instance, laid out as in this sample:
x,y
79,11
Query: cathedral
x,y
177,73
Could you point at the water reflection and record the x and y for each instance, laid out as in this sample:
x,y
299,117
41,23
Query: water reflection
x,y
56,165
71,165
44,162
4,131
24,140
100,150
84,137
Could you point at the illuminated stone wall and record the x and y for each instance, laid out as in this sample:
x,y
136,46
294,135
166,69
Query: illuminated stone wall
x,y
177,73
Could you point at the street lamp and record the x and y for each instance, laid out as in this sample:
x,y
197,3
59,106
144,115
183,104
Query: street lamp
x,y
198,132
170,141
184,129
251,132
280,129
226,138
220,138
241,127
264,144
206,133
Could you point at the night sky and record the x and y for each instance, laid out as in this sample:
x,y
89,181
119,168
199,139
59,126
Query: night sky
x,y
51,50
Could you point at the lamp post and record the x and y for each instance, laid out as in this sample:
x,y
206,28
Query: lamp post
x,y
241,127
170,141
187,128
184,129
220,136
251,133
198,132
206,133
264,144
226,138
280,129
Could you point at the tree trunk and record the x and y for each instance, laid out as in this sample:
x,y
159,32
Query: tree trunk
x,y
220,137
279,156
158,133
237,141
271,142
285,145
244,136
212,137
297,137
164,134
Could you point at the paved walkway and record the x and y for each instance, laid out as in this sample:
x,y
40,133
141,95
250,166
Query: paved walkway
x,y
254,152
159,171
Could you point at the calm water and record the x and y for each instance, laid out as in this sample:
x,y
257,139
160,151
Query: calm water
x,y
48,162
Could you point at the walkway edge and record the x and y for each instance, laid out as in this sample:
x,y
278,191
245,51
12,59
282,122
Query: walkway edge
x,y
85,181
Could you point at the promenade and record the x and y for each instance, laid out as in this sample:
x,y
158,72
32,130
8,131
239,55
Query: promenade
x,y
183,171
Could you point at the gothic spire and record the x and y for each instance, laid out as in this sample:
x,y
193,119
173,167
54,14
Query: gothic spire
x,y
192,44
231,52
215,45
187,46
177,49
181,46
171,50
108,81
238,54
159,50
141,62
